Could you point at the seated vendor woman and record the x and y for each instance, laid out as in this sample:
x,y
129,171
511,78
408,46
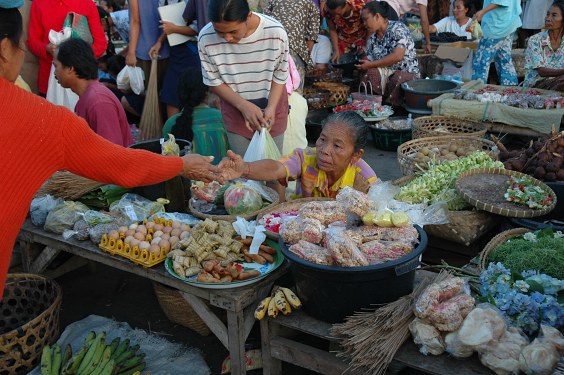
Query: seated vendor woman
x,y
544,56
458,22
335,162
390,51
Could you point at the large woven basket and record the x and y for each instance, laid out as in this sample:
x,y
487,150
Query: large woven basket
x,y
286,207
178,310
316,97
464,227
498,240
339,92
29,321
232,218
435,126
408,150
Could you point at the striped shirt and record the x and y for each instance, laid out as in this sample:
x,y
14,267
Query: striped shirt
x,y
247,67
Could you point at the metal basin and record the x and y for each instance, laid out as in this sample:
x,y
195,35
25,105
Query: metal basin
x,y
419,91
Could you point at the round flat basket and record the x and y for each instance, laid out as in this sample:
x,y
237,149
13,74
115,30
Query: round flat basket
x,y
485,188
498,240
464,227
286,207
436,126
178,310
271,193
408,151
339,92
30,320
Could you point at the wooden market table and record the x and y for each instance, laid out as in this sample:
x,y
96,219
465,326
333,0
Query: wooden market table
x,y
39,248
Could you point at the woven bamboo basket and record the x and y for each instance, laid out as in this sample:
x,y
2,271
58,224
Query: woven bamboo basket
x,y
286,207
316,98
498,240
323,75
178,310
29,321
232,218
464,227
339,92
434,126
407,151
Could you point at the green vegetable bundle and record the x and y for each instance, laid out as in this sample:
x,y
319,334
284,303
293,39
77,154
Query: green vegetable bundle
x,y
438,183
103,196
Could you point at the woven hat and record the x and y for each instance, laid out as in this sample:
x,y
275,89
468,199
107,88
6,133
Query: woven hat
x,y
9,4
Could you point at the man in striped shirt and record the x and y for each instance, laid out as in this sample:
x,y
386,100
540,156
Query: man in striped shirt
x,y
245,62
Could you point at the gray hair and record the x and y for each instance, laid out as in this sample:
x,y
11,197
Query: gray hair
x,y
355,124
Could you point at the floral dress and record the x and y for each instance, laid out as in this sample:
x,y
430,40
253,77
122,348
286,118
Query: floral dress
x,y
539,54
351,30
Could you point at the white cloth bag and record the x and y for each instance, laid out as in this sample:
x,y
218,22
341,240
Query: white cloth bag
x,y
56,93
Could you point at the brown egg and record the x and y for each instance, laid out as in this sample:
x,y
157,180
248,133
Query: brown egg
x,y
141,229
167,229
165,236
156,240
128,239
114,234
158,227
133,226
139,236
175,232
144,245
158,233
123,229
164,244
150,224
176,224
155,249
134,242
185,227
173,240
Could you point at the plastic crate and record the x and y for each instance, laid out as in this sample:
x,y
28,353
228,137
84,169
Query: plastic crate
x,y
389,140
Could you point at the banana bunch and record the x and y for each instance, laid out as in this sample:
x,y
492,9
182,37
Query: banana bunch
x,y
281,300
96,357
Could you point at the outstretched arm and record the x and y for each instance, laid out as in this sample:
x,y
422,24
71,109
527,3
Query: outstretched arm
x,y
233,167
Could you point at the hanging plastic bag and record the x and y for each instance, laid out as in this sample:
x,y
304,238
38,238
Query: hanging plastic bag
x,y
262,147
131,78
56,93
151,123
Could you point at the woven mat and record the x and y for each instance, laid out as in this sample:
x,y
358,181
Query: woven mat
x,y
540,120
163,357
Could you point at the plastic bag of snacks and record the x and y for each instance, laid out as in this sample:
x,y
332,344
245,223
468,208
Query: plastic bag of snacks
x,y
241,199
343,250
295,229
136,207
312,253
326,212
64,216
354,201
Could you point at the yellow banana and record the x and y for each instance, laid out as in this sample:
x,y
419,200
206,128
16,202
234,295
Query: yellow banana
x,y
262,308
272,310
291,297
281,302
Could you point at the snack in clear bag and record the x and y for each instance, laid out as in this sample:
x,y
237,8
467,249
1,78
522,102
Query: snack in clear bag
x,y
384,251
455,347
354,201
407,235
79,231
98,230
483,325
64,216
136,207
542,355
240,199
326,212
502,355
40,208
343,249
96,217
427,337
295,229
312,253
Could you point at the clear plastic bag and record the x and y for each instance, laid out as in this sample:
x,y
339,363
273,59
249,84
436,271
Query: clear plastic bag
x,y
40,207
262,147
343,250
326,212
240,199
131,78
95,217
312,253
354,201
135,207
295,229
64,216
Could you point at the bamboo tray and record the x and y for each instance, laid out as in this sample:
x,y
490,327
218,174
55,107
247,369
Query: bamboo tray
x,y
484,188
499,239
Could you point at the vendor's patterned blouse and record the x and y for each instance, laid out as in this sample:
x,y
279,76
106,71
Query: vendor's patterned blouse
x,y
539,54
301,166
396,36
300,18
351,29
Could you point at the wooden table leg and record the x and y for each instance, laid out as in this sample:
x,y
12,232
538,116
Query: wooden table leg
x,y
270,365
235,327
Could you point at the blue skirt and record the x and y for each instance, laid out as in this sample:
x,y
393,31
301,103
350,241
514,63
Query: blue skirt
x,y
181,57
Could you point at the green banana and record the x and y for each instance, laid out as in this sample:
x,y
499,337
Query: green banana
x,y
105,359
132,362
93,348
127,354
46,360
114,344
90,366
67,355
90,336
109,368
122,347
57,360
72,366
131,371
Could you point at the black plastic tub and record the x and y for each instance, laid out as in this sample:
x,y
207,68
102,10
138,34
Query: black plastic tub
x,y
419,91
331,293
554,219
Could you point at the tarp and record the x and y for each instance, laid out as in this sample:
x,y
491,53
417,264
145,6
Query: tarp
x,y
540,120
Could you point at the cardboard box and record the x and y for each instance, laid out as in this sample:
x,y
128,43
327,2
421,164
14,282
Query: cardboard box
x,y
472,45
456,54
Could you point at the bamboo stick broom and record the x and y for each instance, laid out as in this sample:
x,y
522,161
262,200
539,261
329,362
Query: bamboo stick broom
x,y
151,123
370,339
67,185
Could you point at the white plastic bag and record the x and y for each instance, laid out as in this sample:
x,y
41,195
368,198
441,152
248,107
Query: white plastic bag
x,y
262,147
56,93
131,77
